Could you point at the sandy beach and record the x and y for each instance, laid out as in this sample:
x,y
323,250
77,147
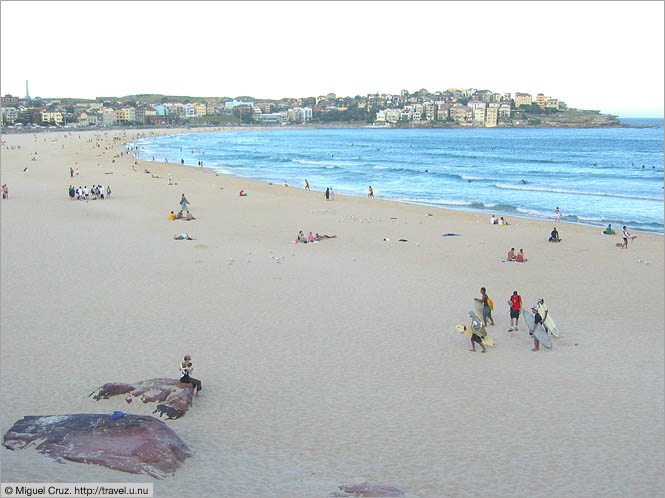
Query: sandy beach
x,y
328,363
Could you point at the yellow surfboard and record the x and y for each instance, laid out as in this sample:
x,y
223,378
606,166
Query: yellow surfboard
x,y
467,332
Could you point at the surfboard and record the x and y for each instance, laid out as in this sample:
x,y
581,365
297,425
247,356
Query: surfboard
x,y
540,332
478,307
468,332
549,322
310,185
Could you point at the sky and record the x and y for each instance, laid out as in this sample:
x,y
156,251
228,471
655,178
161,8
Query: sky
x,y
604,55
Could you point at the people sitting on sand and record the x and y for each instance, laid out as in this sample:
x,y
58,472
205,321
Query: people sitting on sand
x,y
189,216
182,236
300,239
608,230
172,216
186,370
520,257
511,255
310,237
502,221
243,194
5,191
179,216
493,220
554,236
146,170
324,236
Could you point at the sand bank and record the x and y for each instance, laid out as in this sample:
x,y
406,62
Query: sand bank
x,y
327,363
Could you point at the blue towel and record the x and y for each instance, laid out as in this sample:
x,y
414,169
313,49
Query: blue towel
x,y
451,234
118,414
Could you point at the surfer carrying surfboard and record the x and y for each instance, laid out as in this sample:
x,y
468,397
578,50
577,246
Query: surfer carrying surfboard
x,y
537,319
487,311
370,193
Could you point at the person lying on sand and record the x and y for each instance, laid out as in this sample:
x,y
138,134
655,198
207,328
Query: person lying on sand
x,y
324,236
182,236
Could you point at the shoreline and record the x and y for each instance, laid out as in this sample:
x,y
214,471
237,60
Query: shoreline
x,y
488,211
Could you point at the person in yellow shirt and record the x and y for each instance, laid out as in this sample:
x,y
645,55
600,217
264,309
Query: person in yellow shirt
x,y
172,216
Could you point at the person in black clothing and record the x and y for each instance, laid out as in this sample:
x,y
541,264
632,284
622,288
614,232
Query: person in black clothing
x,y
554,236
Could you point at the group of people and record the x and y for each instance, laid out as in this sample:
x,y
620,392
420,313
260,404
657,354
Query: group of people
x,y
180,216
519,257
94,193
302,239
540,312
330,195
497,221
625,235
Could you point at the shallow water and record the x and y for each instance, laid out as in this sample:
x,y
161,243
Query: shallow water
x,y
595,176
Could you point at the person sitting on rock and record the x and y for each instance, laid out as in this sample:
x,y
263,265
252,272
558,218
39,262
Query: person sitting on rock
x,y
186,370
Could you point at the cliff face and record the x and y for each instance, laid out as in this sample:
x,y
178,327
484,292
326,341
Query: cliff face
x,y
578,118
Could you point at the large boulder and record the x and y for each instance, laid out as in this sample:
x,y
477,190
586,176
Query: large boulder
x,y
175,397
133,443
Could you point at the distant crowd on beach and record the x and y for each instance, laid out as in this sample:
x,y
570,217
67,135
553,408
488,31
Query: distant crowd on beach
x,y
95,192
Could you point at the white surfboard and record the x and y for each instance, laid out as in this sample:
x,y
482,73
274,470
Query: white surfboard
x,y
539,332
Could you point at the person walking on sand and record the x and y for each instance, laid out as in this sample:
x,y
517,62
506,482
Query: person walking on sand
x,y
548,323
557,214
487,311
327,193
515,303
370,194
477,333
306,184
537,320
186,370
626,236
332,194
71,172
184,203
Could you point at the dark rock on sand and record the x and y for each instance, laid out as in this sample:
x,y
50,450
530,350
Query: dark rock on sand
x,y
368,490
175,397
134,443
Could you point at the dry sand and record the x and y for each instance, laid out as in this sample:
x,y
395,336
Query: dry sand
x,y
340,363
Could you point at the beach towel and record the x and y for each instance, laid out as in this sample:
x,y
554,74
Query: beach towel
x,y
451,234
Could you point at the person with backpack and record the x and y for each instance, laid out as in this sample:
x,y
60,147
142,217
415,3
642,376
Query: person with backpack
x,y
488,305
515,303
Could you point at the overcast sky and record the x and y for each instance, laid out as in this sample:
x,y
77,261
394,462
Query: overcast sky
x,y
592,55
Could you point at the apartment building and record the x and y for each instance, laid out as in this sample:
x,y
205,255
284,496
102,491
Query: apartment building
x,y
522,99
492,116
54,117
541,100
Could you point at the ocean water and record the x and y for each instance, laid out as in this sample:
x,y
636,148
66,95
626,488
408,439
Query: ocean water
x,y
594,176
